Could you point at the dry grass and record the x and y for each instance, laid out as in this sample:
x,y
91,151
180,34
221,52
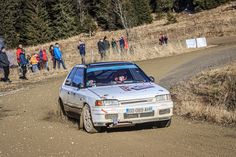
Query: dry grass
x,y
210,96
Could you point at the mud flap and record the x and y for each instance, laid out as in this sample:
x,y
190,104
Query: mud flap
x,y
81,123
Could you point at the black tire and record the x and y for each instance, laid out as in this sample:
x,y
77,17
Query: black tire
x,y
164,124
87,120
61,111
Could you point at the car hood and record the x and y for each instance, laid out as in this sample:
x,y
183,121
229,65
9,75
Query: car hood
x,y
129,91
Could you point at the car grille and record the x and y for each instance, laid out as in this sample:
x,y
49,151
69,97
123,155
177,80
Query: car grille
x,y
138,115
136,101
111,116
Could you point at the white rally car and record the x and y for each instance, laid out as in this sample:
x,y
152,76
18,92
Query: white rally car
x,y
113,94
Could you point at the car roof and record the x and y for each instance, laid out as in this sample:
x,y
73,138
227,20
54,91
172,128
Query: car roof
x,y
104,64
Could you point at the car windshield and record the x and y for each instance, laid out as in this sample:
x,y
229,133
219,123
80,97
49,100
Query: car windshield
x,y
112,75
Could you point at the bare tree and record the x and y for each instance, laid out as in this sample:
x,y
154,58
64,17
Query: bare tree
x,y
81,10
127,24
118,9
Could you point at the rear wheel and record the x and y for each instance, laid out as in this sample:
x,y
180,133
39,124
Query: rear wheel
x,y
87,120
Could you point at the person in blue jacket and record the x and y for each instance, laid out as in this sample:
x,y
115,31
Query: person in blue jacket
x,y
23,65
82,51
58,56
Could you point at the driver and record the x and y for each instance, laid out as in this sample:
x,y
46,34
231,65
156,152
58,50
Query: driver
x,y
120,76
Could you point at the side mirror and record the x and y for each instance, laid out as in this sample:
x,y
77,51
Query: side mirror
x,y
80,85
152,78
68,82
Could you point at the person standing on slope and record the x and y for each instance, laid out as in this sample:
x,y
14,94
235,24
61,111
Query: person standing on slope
x,y
122,44
101,48
114,46
43,59
18,52
58,56
51,50
5,64
107,45
23,65
82,51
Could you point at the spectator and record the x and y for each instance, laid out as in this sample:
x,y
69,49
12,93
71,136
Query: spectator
x,y
114,46
5,64
101,48
18,52
122,44
165,39
38,59
43,59
23,65
58,56
82,51
34,63
51,50
161,39
126,46
28,58
107,45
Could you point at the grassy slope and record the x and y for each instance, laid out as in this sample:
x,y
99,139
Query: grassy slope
x,y
217,22
210,96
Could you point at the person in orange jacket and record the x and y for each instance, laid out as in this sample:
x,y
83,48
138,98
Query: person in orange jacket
x,y
126,45
34,63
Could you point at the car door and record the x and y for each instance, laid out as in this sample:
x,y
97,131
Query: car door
x,y
66,88
75,98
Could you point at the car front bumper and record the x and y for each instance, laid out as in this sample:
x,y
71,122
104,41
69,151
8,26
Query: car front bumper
x,y
122,115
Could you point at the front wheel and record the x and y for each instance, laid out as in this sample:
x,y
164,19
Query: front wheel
x,y
87,120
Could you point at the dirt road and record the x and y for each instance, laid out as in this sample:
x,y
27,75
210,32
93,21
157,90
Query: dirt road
x,y
30,127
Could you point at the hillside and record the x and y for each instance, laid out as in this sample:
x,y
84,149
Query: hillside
x,y
214,23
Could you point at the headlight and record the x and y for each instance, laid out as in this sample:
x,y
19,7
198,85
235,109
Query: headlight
x,y
107,102
164,97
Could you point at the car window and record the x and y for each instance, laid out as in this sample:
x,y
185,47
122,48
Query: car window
x,y
71,75
122,74
137,74
78,77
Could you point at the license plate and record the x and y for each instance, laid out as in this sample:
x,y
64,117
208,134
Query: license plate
x,y
138,110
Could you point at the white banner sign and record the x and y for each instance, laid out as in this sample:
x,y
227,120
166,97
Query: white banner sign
x,y
191,43
201,42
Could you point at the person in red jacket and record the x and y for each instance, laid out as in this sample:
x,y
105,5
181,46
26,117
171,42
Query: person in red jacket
x,y
43,59
126,45
19,50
